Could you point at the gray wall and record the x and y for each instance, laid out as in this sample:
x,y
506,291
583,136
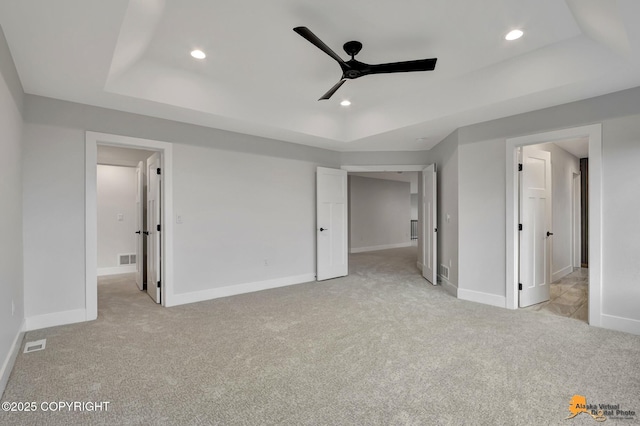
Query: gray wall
x,y
482,196
243,200
380,213
11,273
445,156
240,210
116,190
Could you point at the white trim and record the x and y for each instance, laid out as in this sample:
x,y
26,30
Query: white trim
x,y
387,168
594,133
382,247
10,360
448,286
419,265
91,233
116,270
561,273
235,289
480,297
612,322
54,319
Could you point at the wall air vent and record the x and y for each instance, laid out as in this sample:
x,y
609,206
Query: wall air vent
x,y
444,272
126,259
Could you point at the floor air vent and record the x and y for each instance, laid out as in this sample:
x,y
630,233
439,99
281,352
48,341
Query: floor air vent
x,y
37,345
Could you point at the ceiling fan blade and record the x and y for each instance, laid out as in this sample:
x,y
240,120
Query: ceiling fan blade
x,y
313,39
333,90
407,66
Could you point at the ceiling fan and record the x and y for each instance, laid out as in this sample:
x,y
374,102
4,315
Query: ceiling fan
x,y
354,69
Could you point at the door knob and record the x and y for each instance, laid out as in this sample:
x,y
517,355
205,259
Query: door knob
x,y
146,232
324,229
138,232
549,234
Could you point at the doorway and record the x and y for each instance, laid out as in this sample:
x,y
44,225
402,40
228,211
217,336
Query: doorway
x,y
406,228
550,280
593,136
122,193
92,140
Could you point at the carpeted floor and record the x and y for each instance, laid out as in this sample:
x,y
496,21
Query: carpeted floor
x,y
379,347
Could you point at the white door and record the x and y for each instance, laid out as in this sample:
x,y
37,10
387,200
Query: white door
x,y
154,221
331,224
430,224
140,225
536,234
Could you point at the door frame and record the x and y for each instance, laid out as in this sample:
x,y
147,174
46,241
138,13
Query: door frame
x,y
398,168
594,133
92,140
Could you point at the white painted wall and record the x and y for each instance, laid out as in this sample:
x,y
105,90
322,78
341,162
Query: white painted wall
x,y
482,200
563,166
246,219
53,188
380,214
116,195
11,272
482,219
621,207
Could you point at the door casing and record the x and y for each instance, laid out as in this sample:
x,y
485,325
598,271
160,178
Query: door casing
x,y
594,133
92,140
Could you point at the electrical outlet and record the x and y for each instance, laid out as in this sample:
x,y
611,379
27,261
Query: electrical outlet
x,y
179,219
450,263
13,308
266,262
120,217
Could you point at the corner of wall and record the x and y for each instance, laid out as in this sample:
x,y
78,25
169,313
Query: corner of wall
x,y
10,360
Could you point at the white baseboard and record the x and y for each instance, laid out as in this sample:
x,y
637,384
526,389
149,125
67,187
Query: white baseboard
x,y
232,290
7,364
484,298
127,269
627,325
57,318
561,273
382,247
448,286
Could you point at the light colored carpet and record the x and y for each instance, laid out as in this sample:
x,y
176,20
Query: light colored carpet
x,y
381,346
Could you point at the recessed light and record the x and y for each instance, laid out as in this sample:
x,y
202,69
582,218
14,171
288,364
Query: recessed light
x,y
345,103
198,54
513,35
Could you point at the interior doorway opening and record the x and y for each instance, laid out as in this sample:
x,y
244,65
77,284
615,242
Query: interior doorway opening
x,y
395,175
593,135
551,279
122,224
162,231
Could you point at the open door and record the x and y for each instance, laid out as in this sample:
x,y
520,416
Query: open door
x,y
140,225
535,218
154,221
430,223
331,224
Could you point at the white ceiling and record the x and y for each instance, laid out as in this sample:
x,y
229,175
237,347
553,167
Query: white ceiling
x,y
261,78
